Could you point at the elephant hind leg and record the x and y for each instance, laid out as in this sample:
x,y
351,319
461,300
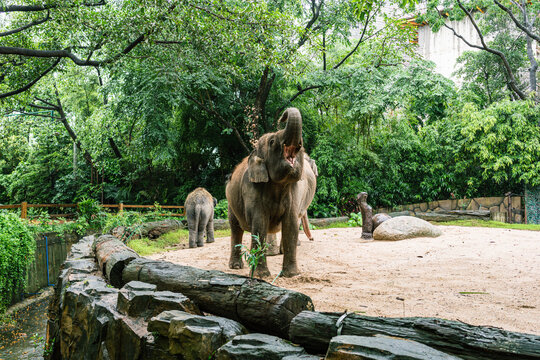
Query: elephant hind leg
x,y
235,261
210,229
192,217
203,221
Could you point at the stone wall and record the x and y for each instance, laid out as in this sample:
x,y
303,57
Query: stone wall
x,y
92,317
495,208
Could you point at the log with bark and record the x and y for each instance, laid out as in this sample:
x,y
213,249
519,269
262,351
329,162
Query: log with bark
x,y
256,304
314,330
112,256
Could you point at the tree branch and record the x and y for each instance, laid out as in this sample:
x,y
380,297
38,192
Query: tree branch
x,y
27,26
44,107
511,79
516,21
31,83
33,8
223,120
48,103
316,11
5,50
63,120
357,44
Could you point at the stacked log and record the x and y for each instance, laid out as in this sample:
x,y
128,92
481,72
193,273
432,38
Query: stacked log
x,y
255,303
314,331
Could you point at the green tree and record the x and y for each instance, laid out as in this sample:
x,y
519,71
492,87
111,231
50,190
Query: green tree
x,y
493,21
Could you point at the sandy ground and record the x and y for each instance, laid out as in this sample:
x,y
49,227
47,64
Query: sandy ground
x,y
499,268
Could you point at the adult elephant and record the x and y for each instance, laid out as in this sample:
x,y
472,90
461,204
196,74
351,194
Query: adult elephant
x,y
269,191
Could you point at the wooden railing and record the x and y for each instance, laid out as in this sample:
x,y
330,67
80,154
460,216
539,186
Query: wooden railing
x,y
24,207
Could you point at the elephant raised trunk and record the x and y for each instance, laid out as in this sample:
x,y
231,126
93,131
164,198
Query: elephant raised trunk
x,y
292,134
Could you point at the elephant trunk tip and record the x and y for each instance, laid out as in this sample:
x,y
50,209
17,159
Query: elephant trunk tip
x,y
293,129
290,112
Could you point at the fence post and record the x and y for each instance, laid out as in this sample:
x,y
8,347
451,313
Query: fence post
x,y
121,208
24,209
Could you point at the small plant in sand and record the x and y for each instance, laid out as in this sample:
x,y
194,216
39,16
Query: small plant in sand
x,y
253,255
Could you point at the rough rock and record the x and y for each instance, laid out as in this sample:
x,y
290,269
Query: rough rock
x,y
221,224
405,227
194,336
87,310
258,346
141,299
378,219
83,248
444,215
327,221
400,213
380,347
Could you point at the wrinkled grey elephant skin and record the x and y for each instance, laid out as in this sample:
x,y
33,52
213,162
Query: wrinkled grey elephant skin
x,y
269,191
199,207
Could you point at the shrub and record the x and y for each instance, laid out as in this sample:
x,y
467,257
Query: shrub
x,y
355,219
221,210
17,247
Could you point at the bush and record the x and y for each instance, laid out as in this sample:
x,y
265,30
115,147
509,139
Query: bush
x,y
17,247
355,219
221,210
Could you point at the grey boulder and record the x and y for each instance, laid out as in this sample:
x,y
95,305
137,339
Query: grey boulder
x,y
405,227
380,347
258,346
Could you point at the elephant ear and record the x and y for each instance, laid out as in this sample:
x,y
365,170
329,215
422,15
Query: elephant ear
x,y
257,172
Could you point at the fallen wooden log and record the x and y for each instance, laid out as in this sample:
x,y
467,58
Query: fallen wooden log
x,y
112,256
314,330
256,304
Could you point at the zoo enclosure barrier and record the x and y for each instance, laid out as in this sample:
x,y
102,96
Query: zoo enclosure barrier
x,y
509,208
24,208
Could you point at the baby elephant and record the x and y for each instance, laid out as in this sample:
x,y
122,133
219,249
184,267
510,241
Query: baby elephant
x,y
199,208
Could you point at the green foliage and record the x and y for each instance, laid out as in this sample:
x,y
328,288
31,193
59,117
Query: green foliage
x,y
90,212
355,220
504,141
17,247
253,255
221,209
185,105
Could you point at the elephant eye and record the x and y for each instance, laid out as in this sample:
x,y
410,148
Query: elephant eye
x,y
272,142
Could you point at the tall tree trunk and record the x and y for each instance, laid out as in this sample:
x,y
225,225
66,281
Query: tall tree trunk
x,y
258,115
324,50
530,53
112,143
70,131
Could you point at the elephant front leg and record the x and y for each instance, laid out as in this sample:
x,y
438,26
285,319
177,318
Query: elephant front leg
x,y
235,261
289,242
258,240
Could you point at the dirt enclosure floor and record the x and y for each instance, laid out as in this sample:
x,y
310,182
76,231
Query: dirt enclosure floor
x,y
480,276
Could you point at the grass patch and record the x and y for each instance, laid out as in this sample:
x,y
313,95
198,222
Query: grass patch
x,y
491,224
330,226
166,242
473,293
